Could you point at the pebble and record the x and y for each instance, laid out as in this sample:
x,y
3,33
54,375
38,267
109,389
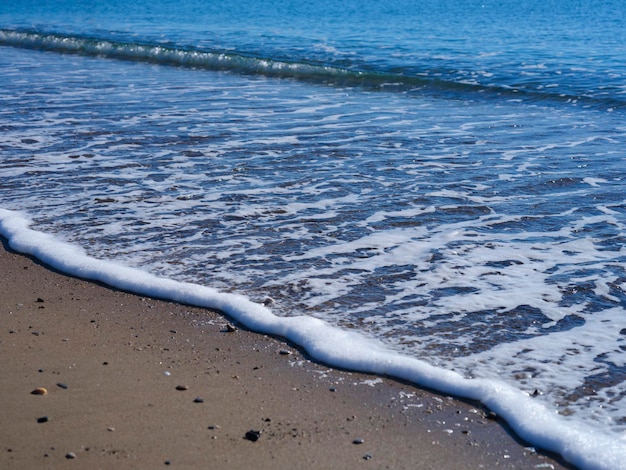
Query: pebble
x,y
198,400
39,391
70,455
62,385
367,457
43,419
492,415
182,387
253,435
358,440
230,328
284,352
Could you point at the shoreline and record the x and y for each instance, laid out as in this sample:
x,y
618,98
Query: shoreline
x,y
112,361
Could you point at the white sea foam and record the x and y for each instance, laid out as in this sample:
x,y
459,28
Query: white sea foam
x,y
532,420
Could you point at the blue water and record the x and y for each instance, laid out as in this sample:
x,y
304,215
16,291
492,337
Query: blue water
x,y
446,177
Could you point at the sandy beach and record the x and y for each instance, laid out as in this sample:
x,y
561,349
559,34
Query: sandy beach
x,y
138,383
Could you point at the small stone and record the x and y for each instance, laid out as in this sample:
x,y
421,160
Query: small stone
x,y
358,441
167,462
214,426
253,435
111,429
70,455
367,457
62,385
492,415
231,328
182,387
39,391
284,352
43,419
198,400
39,300
332,389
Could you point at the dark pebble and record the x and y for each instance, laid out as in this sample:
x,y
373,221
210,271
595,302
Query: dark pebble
x,y
332,389
198,400
43,419
253,435
492,415
62,385
230,328
182,387
70,455
284,352
367,457
39,300
167,462
358,440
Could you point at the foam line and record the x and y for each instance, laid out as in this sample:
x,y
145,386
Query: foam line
x,y
531,420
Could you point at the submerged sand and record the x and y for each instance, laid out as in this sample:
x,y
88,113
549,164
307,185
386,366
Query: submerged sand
x,y
138,383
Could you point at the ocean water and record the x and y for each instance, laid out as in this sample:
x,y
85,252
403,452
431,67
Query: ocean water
x,y
432,190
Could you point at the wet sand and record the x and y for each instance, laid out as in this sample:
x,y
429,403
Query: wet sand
x,y
138,383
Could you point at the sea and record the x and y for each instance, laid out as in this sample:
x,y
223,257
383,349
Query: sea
x,y
433,190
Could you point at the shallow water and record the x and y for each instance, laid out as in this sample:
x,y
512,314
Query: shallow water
x,y
458,196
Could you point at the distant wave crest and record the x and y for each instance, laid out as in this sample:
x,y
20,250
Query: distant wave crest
x,y
240,62
185,57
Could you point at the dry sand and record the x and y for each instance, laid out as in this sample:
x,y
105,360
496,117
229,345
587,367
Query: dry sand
x,y
112,361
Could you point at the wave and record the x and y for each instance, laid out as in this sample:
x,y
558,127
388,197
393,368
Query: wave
x,y
332,75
